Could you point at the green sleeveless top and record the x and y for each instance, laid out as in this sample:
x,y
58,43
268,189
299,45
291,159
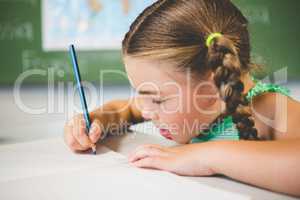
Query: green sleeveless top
x,y
225,129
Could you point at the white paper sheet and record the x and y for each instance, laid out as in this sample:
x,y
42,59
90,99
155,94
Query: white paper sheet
x,y
48,170
48,157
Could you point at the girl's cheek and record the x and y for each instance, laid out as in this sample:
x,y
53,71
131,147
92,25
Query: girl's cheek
x,y
172,107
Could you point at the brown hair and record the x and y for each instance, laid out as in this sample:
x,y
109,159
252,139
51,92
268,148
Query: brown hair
x,y
176,30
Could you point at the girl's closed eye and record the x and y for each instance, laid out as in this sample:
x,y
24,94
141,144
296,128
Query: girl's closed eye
x,y
158,101
162,100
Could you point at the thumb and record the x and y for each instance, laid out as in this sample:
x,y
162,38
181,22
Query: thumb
x,y
95,131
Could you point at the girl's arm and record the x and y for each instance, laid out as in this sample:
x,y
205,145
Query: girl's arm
x,y
274,165
118,113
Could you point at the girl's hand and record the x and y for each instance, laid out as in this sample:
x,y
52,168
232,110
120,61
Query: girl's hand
x,y
187,160
75,133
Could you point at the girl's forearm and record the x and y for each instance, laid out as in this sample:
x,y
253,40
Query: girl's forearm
x,y
116,113
273,165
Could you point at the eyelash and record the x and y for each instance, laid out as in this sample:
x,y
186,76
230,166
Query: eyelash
x,y
158,102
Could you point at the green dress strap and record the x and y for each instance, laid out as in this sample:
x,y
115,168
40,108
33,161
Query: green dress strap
x,y
261,88
225,129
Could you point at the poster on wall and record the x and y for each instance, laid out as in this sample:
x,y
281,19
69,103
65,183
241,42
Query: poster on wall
x,y
89,24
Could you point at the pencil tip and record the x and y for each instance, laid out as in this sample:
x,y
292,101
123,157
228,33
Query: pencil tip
x,y
94,151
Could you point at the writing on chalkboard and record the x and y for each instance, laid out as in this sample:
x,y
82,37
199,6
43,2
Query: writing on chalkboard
x,y
32,60
30,2
16,31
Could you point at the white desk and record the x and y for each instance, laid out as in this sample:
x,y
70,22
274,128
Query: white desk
x,y
19,127
126,143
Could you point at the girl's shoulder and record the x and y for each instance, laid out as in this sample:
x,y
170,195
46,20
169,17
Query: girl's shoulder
x,y
274,110
265,98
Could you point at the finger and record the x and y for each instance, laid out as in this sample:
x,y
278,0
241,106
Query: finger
x,y
154,146
79,132
95,132
139,148
152,163
145,152
70,140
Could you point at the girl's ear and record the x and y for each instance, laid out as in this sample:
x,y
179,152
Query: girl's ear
x,y
208,92
212,95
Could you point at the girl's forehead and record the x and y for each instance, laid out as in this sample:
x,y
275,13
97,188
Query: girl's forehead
x,y
152,74
163,78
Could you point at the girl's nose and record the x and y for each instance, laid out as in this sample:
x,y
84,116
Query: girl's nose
x,y
150,115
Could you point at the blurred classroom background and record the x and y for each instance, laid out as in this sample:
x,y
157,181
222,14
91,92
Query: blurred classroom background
x,y
34,39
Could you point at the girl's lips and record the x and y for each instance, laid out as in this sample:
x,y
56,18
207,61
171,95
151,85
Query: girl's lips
x,y
166,133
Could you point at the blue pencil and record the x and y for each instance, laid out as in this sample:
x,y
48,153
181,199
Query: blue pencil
x,y
81,92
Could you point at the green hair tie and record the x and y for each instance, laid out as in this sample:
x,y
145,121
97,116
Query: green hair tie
x,y
211,37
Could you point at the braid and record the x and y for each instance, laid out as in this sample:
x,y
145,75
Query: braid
x,y
223,60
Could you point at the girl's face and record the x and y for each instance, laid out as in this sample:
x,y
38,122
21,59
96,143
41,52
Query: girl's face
x,y
177,104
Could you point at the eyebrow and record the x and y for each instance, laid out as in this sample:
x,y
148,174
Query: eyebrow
x,y
146,92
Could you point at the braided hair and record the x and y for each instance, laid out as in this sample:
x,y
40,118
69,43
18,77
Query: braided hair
x,y
223,60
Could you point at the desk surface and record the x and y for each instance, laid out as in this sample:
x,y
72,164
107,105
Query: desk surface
x,y
124,144
16,126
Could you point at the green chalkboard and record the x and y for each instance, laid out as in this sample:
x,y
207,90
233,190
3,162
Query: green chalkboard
x,y
21,50
275,31
274,26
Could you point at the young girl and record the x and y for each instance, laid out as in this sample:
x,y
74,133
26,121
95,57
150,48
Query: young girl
x,y
189,60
